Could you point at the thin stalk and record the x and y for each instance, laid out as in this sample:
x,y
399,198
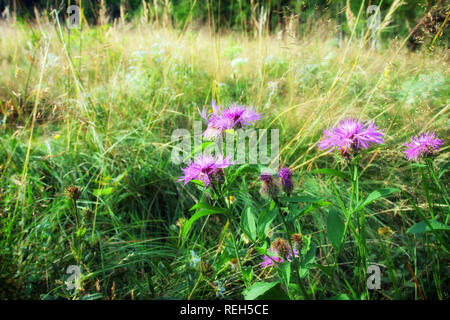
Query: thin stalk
x,y
78,257
442,189
296,262
230,218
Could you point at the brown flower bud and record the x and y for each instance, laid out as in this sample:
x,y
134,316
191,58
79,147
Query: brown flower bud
x,y
281,246
297,239
73,192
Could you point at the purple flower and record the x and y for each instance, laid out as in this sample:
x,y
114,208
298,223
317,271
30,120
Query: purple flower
x,y
268,261
425,144
350,135
266,177
268,186
285,175
221,119
203,168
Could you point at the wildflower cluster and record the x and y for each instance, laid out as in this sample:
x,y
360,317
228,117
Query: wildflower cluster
x,y
208,168
351,135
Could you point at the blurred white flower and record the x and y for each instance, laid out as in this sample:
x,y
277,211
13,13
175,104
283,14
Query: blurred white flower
x,y
238,62
220,289
194,259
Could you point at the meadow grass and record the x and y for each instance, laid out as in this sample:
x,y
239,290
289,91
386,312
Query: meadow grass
x,y
95,108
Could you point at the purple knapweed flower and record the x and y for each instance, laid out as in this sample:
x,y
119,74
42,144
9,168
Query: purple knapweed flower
x,y
268,261
351,135
231,117
426,144
203,168
285,175
269,187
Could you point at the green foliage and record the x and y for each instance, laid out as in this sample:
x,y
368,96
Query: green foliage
x,y
335,229
233,14
423,226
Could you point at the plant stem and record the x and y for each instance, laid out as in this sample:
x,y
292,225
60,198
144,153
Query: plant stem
x,y
442,189
78,258
230,218
295,260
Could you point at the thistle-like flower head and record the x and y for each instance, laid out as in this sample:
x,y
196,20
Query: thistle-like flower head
x,y
204,168
274,257
351,135
269,187
426,144
285,175
230,117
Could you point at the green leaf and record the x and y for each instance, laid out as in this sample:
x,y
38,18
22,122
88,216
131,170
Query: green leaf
x,y
81,232
264,221
248,223
205,210
308,260
119,178
203,205
262,250
199,148
243,168
92,296
335,229
306,244
333,172
341,296
328,270
422,227
102,192
444,169
310,255
299,199
375,195
265,291
247,273
417,165
284,269
272,205
307,209
257,289
198,182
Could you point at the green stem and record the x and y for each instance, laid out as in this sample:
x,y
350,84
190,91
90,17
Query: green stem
x,y
442,189
360,221
295,260
78,257
231,218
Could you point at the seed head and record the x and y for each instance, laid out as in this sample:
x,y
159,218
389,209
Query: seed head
x,y
73,192
206,269
281,246
180,222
